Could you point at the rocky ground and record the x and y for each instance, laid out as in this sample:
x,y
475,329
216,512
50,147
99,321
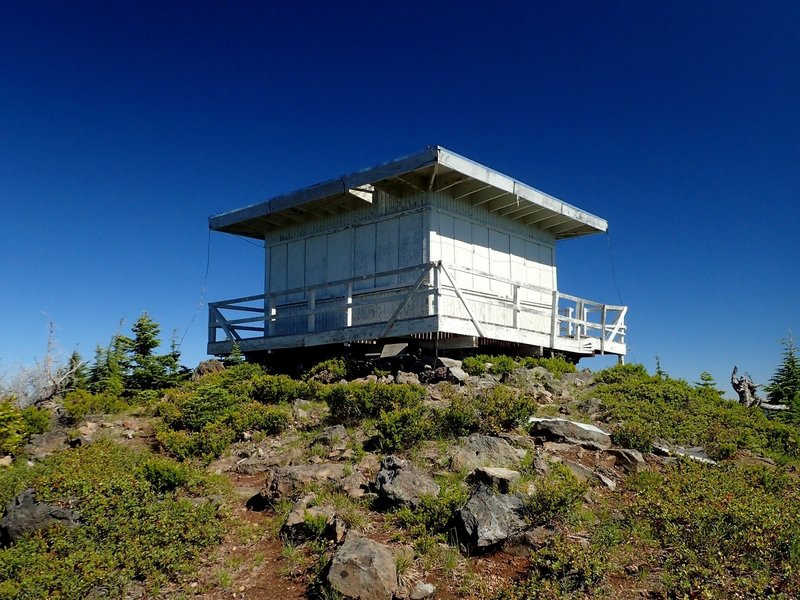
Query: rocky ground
x,y
320,511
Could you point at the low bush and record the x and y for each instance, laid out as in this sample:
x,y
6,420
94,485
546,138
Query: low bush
x,y
128,532
503,409
328,371
435,514
555,496
37,420
731,530
205,405
349,403
274,389
164,475
206,444
460,418
557,365
80,403
12,427
647,407
254,416
403,428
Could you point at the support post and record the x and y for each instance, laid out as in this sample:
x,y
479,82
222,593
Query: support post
x,y
349,304
516,306
554,320
272,314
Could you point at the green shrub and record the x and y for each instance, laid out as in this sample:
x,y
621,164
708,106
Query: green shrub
x,y
349,403
502,409
501,364
275,389
560,569
403,428
648,406
37,420
128,533
556,495
206,444
254,416
12,427
207,404
474,365
460,418
731,530
557,365
328,371
80,403
435,514
164,475
620,373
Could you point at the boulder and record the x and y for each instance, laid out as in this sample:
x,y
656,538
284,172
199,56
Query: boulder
x,y
480,450
354,485
285,482
488,519
495,477
206,367
333,436
398,483
25,515
404,377
296,528
363,569
630,460
572,432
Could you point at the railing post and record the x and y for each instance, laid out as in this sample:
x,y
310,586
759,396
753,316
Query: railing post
x,y
554,320
603,331
272,312
350,304
581,316
312,306
516,306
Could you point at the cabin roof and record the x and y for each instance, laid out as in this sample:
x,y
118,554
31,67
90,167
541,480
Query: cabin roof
x,y
433,169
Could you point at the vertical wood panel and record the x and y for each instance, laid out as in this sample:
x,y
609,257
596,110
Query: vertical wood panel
x,y
340,257
480,256
462,231
364,255
295,268
500,260
277,268
386,250
316,259
410,244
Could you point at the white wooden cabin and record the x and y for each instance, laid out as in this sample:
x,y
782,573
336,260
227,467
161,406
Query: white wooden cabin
x,y
432,249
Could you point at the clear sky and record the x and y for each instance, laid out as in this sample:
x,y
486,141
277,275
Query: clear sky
x,y
124,125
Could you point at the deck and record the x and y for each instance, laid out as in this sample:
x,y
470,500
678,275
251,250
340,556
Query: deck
x,y
456,302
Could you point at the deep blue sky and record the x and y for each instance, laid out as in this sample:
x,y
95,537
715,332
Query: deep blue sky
x,y
124,125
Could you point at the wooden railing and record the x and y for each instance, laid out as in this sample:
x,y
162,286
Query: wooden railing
x,y
378,302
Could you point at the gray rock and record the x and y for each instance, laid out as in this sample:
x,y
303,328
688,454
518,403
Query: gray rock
x,y
457,375
590,406
6,461
488,519
563,430
404,377
206,367
354,485
24,515
285,482
296,528
422,590
450,363
581,473
363,569
697,453
495,477
400,484
480,450
331,436
630,460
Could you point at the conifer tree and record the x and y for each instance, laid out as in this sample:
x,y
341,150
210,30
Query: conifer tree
x,y
784,387
707,384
